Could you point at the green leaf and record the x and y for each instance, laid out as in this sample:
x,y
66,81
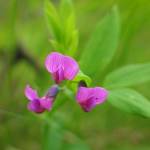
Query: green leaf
x,y
7,26
52,136
130,101
62,26
71,35
74,42
66,8
79,145
102,46
24,73
53,20
56,45
70,32
128,76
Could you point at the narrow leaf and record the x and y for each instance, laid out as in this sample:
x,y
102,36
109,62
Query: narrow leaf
x,y
69,27
66,8
52,137
103,44
128,76
53,20
130,101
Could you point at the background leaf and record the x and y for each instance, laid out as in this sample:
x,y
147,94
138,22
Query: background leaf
x,y
130,101
102,46
62,25
78,145
128,76
53,20
52,136
66,7
70,32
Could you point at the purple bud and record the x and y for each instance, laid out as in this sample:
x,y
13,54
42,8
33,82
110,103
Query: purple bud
x,y
53,91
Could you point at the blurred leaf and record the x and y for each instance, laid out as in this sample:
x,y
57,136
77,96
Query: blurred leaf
x,y
55,44
132,26
61,99
74,43
131,147
18,77
128,76
62,26
52,136
71,35
7,26
101,48
130,101
77,146
22,74
53,20
34,40
69,27
66,7
43,81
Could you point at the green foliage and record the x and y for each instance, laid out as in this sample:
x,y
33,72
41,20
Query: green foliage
x,y
19,71
62,26
130,101
66,7
22,27
52,136
102,46
78,145
55,136
128,76
7,27
34,39
53,20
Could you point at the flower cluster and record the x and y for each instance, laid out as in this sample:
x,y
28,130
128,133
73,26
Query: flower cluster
x,y
63,68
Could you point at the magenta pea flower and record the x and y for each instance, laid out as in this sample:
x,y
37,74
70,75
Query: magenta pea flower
x,y
61,67
37,104
88,98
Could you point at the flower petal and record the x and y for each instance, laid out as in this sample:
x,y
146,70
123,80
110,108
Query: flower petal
x,y
46,103
82,94
88,105
53,62
35,106
71,68
30,93
88,98
100,94
58,76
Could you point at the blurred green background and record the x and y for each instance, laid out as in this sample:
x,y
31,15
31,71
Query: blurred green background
x,y
23,47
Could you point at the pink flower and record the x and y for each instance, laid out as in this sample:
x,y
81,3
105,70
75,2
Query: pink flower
x,y
88,98
39,105
61,67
